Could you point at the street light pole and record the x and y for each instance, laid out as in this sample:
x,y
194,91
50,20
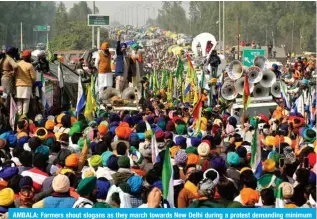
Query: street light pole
x,y
93,28
219,22
223,27
21,36
238,38
293,36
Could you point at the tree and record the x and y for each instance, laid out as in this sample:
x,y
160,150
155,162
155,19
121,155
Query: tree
x,y
79,12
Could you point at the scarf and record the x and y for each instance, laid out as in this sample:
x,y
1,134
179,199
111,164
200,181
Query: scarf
x,y
121,177
57,194
191,187
27,197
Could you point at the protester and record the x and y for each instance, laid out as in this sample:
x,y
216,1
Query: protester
x,y
25,77
215,157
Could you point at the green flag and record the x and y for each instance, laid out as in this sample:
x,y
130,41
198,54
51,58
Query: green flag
x,y
180,68
164,79
167,179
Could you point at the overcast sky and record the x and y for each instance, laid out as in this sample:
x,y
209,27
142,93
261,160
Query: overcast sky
x,y
111,8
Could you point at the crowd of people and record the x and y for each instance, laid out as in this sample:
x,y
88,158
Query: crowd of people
x,y
116,160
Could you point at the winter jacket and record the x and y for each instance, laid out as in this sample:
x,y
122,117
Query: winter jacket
x,y
214,61
55,202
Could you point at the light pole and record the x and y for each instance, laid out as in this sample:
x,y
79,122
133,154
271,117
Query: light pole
x,y
293,36
223,27
219,22
93,28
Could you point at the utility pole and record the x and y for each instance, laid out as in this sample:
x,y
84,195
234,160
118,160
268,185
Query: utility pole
x,y
238,38
137,15
93,28
293,36
144,14
132,14
223,27
266,35
219,24
300,40
21,36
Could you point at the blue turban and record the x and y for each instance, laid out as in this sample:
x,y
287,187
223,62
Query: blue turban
x,y
9,49
135,183
123,45
102,188
8,172
195,141
275,66
158,184
22,141
43,150
105,156
181,141
12,140
141,136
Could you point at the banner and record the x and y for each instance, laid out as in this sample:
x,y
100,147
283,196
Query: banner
x,y
172,213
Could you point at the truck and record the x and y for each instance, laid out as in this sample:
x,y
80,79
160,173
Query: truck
x,y
260,105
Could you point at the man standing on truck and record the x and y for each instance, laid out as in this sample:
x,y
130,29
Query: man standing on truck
x,y
103,64
214,62
8,68
122,65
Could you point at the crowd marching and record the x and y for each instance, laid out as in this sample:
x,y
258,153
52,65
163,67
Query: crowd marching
x,y
183,149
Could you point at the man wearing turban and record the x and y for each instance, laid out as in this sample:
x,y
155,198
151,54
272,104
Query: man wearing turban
x,y
8,67
122,65
25,77
103,64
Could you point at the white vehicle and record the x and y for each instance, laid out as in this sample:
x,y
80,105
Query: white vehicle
x,y
257,106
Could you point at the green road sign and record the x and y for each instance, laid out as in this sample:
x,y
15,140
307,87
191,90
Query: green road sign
x,y
98,20
41,28
250,54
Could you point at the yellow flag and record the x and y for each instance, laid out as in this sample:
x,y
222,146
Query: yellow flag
x,y
89,109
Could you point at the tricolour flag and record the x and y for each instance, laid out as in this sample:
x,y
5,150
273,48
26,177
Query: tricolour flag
x,y
60,75
81,99
279,202
246,93
285,95
13,112
167,180
256,164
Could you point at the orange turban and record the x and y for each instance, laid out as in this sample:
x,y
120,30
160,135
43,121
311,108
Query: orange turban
x,y
174,150
192,159
105,45
72,120
102,129
49,124
72,160
123,131
249,197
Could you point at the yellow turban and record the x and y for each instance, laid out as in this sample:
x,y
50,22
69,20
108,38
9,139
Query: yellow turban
x,y
269,141
6,197
269,165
